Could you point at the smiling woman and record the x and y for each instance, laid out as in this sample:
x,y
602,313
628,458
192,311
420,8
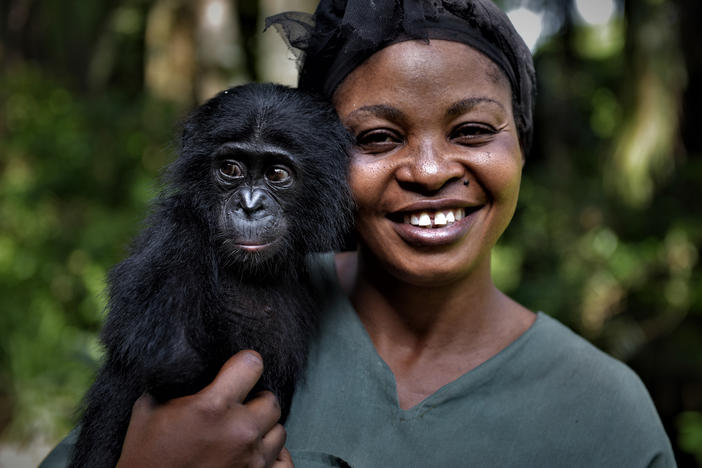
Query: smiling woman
x,y
420,359
420,134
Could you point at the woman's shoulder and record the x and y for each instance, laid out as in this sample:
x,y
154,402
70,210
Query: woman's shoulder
x,y
569,358
322,269
555,380
326,286
589,383
567,352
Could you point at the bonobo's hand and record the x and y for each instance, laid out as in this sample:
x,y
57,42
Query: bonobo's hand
x,y
211,428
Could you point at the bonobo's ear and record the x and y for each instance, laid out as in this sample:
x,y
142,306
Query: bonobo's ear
x,y
326,204
186,134
190,172
194,131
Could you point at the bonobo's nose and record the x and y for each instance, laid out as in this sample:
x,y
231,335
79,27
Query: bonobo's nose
x,y
251,200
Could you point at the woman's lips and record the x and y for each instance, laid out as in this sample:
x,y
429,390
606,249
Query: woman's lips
x,y
431,228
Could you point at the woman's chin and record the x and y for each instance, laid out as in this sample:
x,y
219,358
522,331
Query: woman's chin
x,y
434,270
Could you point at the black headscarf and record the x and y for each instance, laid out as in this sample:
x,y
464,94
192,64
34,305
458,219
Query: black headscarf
x,y
342,34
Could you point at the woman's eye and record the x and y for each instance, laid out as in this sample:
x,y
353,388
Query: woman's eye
x,y
277,174
231,169
472,133
377,141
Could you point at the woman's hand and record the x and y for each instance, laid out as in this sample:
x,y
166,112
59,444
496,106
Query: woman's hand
x,y
211,428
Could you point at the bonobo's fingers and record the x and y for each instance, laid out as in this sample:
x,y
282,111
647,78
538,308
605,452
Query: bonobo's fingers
x,y
236,378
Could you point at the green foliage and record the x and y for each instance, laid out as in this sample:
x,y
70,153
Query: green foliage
x,y
690,439
604,234
75,175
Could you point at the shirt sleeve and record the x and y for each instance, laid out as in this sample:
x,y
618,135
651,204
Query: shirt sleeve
x,y
60,456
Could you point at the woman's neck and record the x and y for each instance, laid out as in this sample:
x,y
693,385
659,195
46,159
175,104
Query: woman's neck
x,y
388,303
430,335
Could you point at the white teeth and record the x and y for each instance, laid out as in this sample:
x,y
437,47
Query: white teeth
x,y
437,218
424,219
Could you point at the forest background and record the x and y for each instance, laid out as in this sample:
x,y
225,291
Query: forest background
x,y
606,237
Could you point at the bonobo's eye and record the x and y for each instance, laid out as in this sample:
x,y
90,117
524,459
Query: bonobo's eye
x,y
231,169
278,175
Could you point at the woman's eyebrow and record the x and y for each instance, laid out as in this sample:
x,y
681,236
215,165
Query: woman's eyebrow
x,y
379,110
464,105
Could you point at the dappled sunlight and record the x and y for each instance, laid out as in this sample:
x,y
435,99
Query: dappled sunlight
x,y
643,153
529,24
596,12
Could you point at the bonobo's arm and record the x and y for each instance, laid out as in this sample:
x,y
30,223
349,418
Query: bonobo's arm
x,y
214,427
157,298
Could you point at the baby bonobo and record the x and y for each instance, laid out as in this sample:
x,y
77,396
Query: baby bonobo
x,y
220,266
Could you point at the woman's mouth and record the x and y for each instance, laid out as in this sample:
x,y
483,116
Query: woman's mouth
x,y
433,219
433,227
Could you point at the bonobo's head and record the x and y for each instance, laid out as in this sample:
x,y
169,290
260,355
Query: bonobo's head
x,y
265,167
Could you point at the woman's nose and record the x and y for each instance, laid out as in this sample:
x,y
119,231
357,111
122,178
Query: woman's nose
x,y
428,167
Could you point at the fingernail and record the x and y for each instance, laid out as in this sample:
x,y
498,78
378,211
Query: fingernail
x,y
254,358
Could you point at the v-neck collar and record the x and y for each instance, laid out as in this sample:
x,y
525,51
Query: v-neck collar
x,y
348,324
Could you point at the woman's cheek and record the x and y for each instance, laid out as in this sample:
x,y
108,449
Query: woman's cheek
x,y
507,181
500,170
367,178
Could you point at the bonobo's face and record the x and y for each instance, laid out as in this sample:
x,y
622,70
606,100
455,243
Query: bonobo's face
x,y
265,169
257,183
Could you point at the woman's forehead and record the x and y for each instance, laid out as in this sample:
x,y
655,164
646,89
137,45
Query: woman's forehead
x,y
418,68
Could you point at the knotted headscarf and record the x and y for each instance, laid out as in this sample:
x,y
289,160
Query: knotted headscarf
x,y
342,34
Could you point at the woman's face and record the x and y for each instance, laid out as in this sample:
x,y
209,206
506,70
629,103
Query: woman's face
x,y
436,169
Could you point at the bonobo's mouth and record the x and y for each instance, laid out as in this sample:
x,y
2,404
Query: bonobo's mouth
x,y
252,247
432,219
252,236
249,248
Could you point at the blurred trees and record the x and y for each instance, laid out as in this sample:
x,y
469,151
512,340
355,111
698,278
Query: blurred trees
x,y
608,230
606,236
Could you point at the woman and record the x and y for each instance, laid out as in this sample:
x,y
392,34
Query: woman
x,y
429,364
420,360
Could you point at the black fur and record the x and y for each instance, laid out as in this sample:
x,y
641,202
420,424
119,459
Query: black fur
x,y
185,300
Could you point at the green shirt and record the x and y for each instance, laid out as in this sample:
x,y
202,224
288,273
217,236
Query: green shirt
x,y
550,399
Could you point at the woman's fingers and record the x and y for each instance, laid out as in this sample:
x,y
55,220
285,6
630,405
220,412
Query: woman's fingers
x,y
284,460
211,428
272,444
236,378
265,409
